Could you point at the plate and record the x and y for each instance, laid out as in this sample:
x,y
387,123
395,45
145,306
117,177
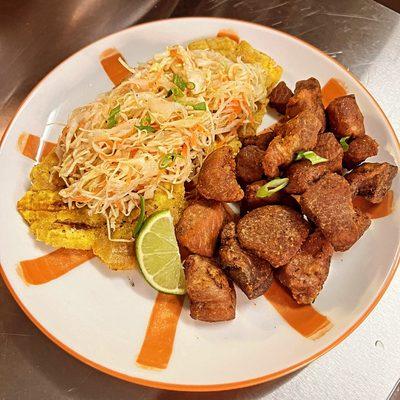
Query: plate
x,y
114,321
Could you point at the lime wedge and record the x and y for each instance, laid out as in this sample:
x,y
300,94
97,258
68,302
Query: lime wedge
x,y
158,254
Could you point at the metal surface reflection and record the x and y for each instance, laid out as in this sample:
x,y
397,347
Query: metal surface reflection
x,y
36,35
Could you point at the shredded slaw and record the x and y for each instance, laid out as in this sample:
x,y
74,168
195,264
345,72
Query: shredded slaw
x,y
174,107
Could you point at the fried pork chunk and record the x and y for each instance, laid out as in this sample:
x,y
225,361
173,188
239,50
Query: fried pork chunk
x,y
307,97
359,150
274,233
261,140
251,200
200,225
372,180
252,274
212,295
249,164
279,97
302,174
345,118
328,203
298,134
305,274
217,178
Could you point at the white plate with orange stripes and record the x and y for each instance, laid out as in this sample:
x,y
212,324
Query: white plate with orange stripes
x,y
134,333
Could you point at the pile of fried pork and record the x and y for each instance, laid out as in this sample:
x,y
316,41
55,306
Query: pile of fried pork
x,y
291,232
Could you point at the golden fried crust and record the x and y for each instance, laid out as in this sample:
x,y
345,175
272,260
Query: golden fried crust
x,y
279,97
328,203
274,233
200,225
307,97
345,118
302,174
249,164
359,150
298,134
251,200
212,295
252,274
372,180
43,178
217,178
261,140
306,272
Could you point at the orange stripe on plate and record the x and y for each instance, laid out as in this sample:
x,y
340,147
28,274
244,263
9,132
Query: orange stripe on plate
x,y
53,265
159,340
380,210
109,59
331,90
28,145
304,319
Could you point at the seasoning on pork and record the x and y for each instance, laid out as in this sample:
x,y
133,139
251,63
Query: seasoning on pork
x,y
200,225
328,203
298,134
305,274
217,178
345,118
211,293
302,173
274,233
252,274
372,180
279,97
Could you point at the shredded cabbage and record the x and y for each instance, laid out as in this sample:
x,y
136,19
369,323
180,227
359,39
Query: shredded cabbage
x,y
114,149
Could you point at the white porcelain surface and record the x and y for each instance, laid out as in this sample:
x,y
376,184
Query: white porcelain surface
x,y
99,315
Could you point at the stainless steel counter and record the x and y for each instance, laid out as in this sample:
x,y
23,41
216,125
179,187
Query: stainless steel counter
x,y
36,35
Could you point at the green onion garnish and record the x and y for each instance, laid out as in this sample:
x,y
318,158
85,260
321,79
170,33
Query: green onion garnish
x,y
141,218
272,187
112,121
200,106
145,128
190,85
343,143
145,120
311,156
168,159
178,81
177,92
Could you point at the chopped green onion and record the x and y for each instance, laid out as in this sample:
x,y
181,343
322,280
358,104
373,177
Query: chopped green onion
x,y
200,106
141,218
145,120
177,92
178,81
343,142
168,159
145,128
272,187
311,156
190,85
112,121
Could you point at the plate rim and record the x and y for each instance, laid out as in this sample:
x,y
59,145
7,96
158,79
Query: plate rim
x,y
228,385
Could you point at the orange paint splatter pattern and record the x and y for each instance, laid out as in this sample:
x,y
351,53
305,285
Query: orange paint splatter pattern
x,y
53,265
331,90
159,340
304,319
109,59
29,146
374,211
